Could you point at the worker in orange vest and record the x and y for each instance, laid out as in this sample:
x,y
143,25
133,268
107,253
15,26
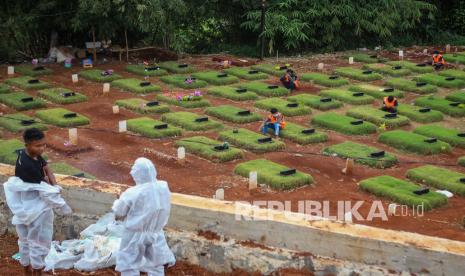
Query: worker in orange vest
x,y
390,104
438,60
289,80
275,121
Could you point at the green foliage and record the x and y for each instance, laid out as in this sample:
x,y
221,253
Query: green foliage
x,y
140,106
204,147
96,75
133,85
269,173
231,93
275,70
7,151
361,154
13,122
375,91
187,120
142,70
67,169
412,66
56,95
325,80
23,82
342,124
413,113
411,86
365,58
457,96
461,161
145,126
315,102
376,117
439,178
4,89
454,58
294,133
55,116
264,89
412,142
29,70
177,68
357,74
180,81
246,73
458,74
248,140
282,106
441,81
448,135
14,100
347,96
185,104
442,105
230,113
215,78
401,191
387,69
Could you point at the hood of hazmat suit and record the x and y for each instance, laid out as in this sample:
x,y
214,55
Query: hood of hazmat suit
x,y
145,208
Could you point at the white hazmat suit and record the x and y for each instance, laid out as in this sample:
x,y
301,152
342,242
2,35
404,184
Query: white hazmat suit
x,y
32,207
146,209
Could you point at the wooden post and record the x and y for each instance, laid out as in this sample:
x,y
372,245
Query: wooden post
x,y
127,47
94,50
349,169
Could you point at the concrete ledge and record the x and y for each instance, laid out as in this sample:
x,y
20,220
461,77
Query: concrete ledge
x,y
395,250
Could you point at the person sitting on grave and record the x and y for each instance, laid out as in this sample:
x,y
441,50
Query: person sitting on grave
x,y
390,104
274,121
289,80
438,61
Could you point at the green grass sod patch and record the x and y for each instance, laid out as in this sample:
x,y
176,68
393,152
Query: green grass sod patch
x,y
395,71
301,135
146,127
33,71
439,178
216,78
140,106
268,173
247,139
320,103
454,58
66,169
232,114
185,104
134,85
264,89
377,117
342,124
96,75
23,82
442,105
149,70
246,73
56,117
414,67
4,89
461,161
205,148
402,192
448,135
285,107
19,122
365,58
411,86
419,114
62,96
348,96
441,81
276,70
375,91
452,73
412,142
324,80
187,120
7,151
357,74
232,93
457,96
362,154
180,81
178,68
21,101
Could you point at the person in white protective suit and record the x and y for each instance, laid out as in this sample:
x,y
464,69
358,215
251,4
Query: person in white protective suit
x,y
144,209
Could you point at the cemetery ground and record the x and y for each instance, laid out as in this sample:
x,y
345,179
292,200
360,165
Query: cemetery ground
x,y
113,153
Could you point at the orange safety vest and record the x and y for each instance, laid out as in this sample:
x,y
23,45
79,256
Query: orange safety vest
x,y
439,59
287,79
389,104
273,120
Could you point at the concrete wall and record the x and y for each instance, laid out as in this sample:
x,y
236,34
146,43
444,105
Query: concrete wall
x,y
396,250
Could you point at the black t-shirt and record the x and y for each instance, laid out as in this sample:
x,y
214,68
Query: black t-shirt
x,y
29,169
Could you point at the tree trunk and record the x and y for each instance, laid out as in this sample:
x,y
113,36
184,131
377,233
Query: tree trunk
x,y
127,47
94,50
262,31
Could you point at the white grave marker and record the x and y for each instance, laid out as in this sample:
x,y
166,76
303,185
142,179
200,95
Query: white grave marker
x,y
321,66
351,60
219,194
448,48
253,180
122,126
425,51
181,153
401,54
106,87
73,136
75,78
115,109
11,70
